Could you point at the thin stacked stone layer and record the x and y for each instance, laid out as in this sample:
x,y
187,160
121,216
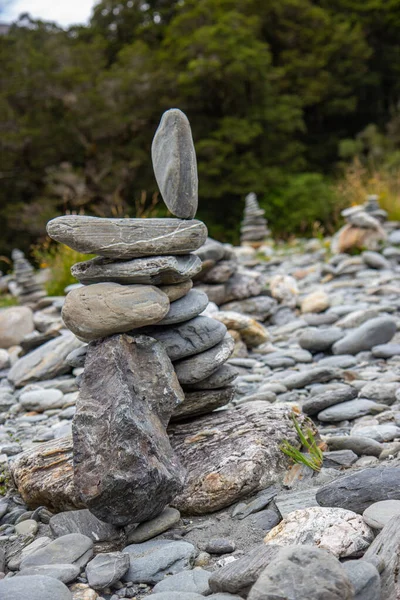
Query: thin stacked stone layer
x,y
151,355
254,225
28,290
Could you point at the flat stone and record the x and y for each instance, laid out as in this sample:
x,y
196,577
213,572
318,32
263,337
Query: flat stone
x,y
103,309
265,520
220,546
313,375
314,575
359,445
119,414
175,165
154,270
288,502
106,569
46,362
177,596
127,238
386,548
74,549
371,333
185,308
151,561
386,350
220,272
342,361
319,402
259,307
177,290
40,400
339,458
358,490
201,402
195,581
380,391
386,432
27,527
242,511
15,323
219,379
150,529
364,578
35,587
189,338
62,572
377,515
77,357
82,521
351,410
339,531
320,340
195,368
375,260
315,302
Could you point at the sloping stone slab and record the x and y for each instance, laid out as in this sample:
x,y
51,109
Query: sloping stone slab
x,y
202,402
386,546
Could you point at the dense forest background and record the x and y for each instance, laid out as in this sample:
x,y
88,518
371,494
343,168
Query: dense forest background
x,y
296,100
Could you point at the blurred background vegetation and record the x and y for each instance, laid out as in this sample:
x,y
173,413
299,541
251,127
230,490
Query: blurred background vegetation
x,y
296,100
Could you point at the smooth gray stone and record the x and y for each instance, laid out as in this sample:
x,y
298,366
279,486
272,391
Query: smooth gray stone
x,y
195,368
106,569
76,358
379,514
259,307
350,410
339,458
124,468
175,165
127,238
82,521
103,309
360,489
375,260
45,362
177,596
40,400
219,379
185,308
220,546
265,519
35,587
342,361
318,319
386,350
381,391
364,578
315,574
201,402
288,502
309,376
386,432
195,581
238,577
220,273
154,270
73,548
359,445
319,402
386,549
211,250
151,561
394,237
371,333
320,340
260,502
150,529
189,338
62,572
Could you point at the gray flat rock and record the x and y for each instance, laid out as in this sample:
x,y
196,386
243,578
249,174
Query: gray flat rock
x,y
361,446
195,368
288,502
351,410
364,578
185,308
175,165
319,402
151,561
320,340
73,548
62,572
195,581
127,238
219,379
371,333
379,514
82,521
106,569
309,376
201,402
34,587
150,529
155,270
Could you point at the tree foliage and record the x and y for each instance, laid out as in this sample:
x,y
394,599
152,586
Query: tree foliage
x,y
272,90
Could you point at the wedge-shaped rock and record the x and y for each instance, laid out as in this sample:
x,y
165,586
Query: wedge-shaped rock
x,y
127,238
174,163
219,379
202,402
156,270
103,309
196,368
125,469
386,547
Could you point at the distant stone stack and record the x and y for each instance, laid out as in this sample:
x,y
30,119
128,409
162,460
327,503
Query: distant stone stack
x,y
28,290
363,229
254,228
151,355
373,208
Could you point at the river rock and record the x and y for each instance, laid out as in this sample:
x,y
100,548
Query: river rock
x,y
260,307
82,521
177,290
219,379
120,444
106,569
185,339
35,587
314,575
319,402
320,340
150,529
62,572
15,323
339,531
360,489
185,308
154,270
315,302
350,410
103,309
364,578
384,392
369,334
379,514
359,445
313,375
231,454
195,368
127,238
386,547
195,580
252,333
201,402
175,165
74,548
46,362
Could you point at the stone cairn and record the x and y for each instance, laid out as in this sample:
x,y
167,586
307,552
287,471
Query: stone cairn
x,y
363,228
27,289
151,355
254,225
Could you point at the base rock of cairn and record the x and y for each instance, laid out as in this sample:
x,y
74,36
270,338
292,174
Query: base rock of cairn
x,y
146,339
254,225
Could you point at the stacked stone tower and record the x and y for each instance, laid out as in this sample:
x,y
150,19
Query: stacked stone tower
x,y
28,290
254,225
151,355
